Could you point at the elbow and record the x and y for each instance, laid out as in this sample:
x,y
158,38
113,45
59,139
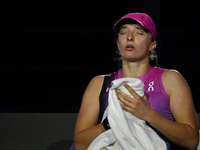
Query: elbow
x,y
190,143
79,146
194,143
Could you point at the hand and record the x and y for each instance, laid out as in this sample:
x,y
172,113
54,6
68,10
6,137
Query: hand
x,y
136,105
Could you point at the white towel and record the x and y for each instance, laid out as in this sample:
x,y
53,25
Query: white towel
x,y
127,131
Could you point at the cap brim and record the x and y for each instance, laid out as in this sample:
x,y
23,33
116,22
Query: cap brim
x,y
124,21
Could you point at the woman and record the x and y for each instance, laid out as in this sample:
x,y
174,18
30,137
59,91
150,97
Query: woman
x,y
167,105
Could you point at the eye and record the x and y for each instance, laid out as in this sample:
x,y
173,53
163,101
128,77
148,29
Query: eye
x,y
122,32
140,32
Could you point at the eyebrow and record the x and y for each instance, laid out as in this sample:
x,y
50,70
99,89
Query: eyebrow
x,y
139,27
123,27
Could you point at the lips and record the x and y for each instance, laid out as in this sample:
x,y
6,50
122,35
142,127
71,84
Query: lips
x,y
130,47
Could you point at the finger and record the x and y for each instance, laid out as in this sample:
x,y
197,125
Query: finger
x,y
125,102
131,90
124,107
124,95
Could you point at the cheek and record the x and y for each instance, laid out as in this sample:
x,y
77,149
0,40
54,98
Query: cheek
x,y
119,45
144,44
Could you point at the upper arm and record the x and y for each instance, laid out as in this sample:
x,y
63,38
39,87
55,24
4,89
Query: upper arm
x,y
181,102
89,110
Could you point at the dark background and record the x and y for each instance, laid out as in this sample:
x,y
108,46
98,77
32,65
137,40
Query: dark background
x,y
49,51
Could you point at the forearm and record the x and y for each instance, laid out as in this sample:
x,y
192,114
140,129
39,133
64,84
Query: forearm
x,y
83,139
179,133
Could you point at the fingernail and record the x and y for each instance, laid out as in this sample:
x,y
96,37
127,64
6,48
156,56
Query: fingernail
x,y
117,90
124,84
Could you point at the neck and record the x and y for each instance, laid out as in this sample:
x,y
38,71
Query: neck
x,y
134,70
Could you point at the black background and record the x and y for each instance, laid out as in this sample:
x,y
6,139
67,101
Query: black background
x,y
51,50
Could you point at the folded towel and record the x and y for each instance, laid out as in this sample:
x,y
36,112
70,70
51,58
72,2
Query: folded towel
x,y
127,131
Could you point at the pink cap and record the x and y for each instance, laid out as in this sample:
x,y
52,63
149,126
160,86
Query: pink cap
x,y
142,18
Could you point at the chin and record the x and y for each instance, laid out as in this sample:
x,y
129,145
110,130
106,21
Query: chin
x,y
130,59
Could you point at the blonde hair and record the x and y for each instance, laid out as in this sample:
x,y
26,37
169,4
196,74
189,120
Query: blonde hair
x,y
154,57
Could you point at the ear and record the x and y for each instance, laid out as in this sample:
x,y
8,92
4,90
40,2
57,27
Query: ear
x,y
117,43
152,46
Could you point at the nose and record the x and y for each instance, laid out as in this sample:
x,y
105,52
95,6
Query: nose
x,y
130,36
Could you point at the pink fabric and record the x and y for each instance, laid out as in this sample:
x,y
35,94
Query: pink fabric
x,y
142,18
154,90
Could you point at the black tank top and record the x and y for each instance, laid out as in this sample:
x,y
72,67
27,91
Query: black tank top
x,y
103,98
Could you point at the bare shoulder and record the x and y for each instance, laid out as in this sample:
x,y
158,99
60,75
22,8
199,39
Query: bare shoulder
x,y
90,98
97,79
173,80
178,90
93,89
171,74
96,83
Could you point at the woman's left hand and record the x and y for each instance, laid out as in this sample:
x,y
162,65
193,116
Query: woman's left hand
x,y
136,105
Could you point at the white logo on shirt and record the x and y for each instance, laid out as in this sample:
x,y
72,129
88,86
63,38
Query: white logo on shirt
x,y
151,88
107,89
